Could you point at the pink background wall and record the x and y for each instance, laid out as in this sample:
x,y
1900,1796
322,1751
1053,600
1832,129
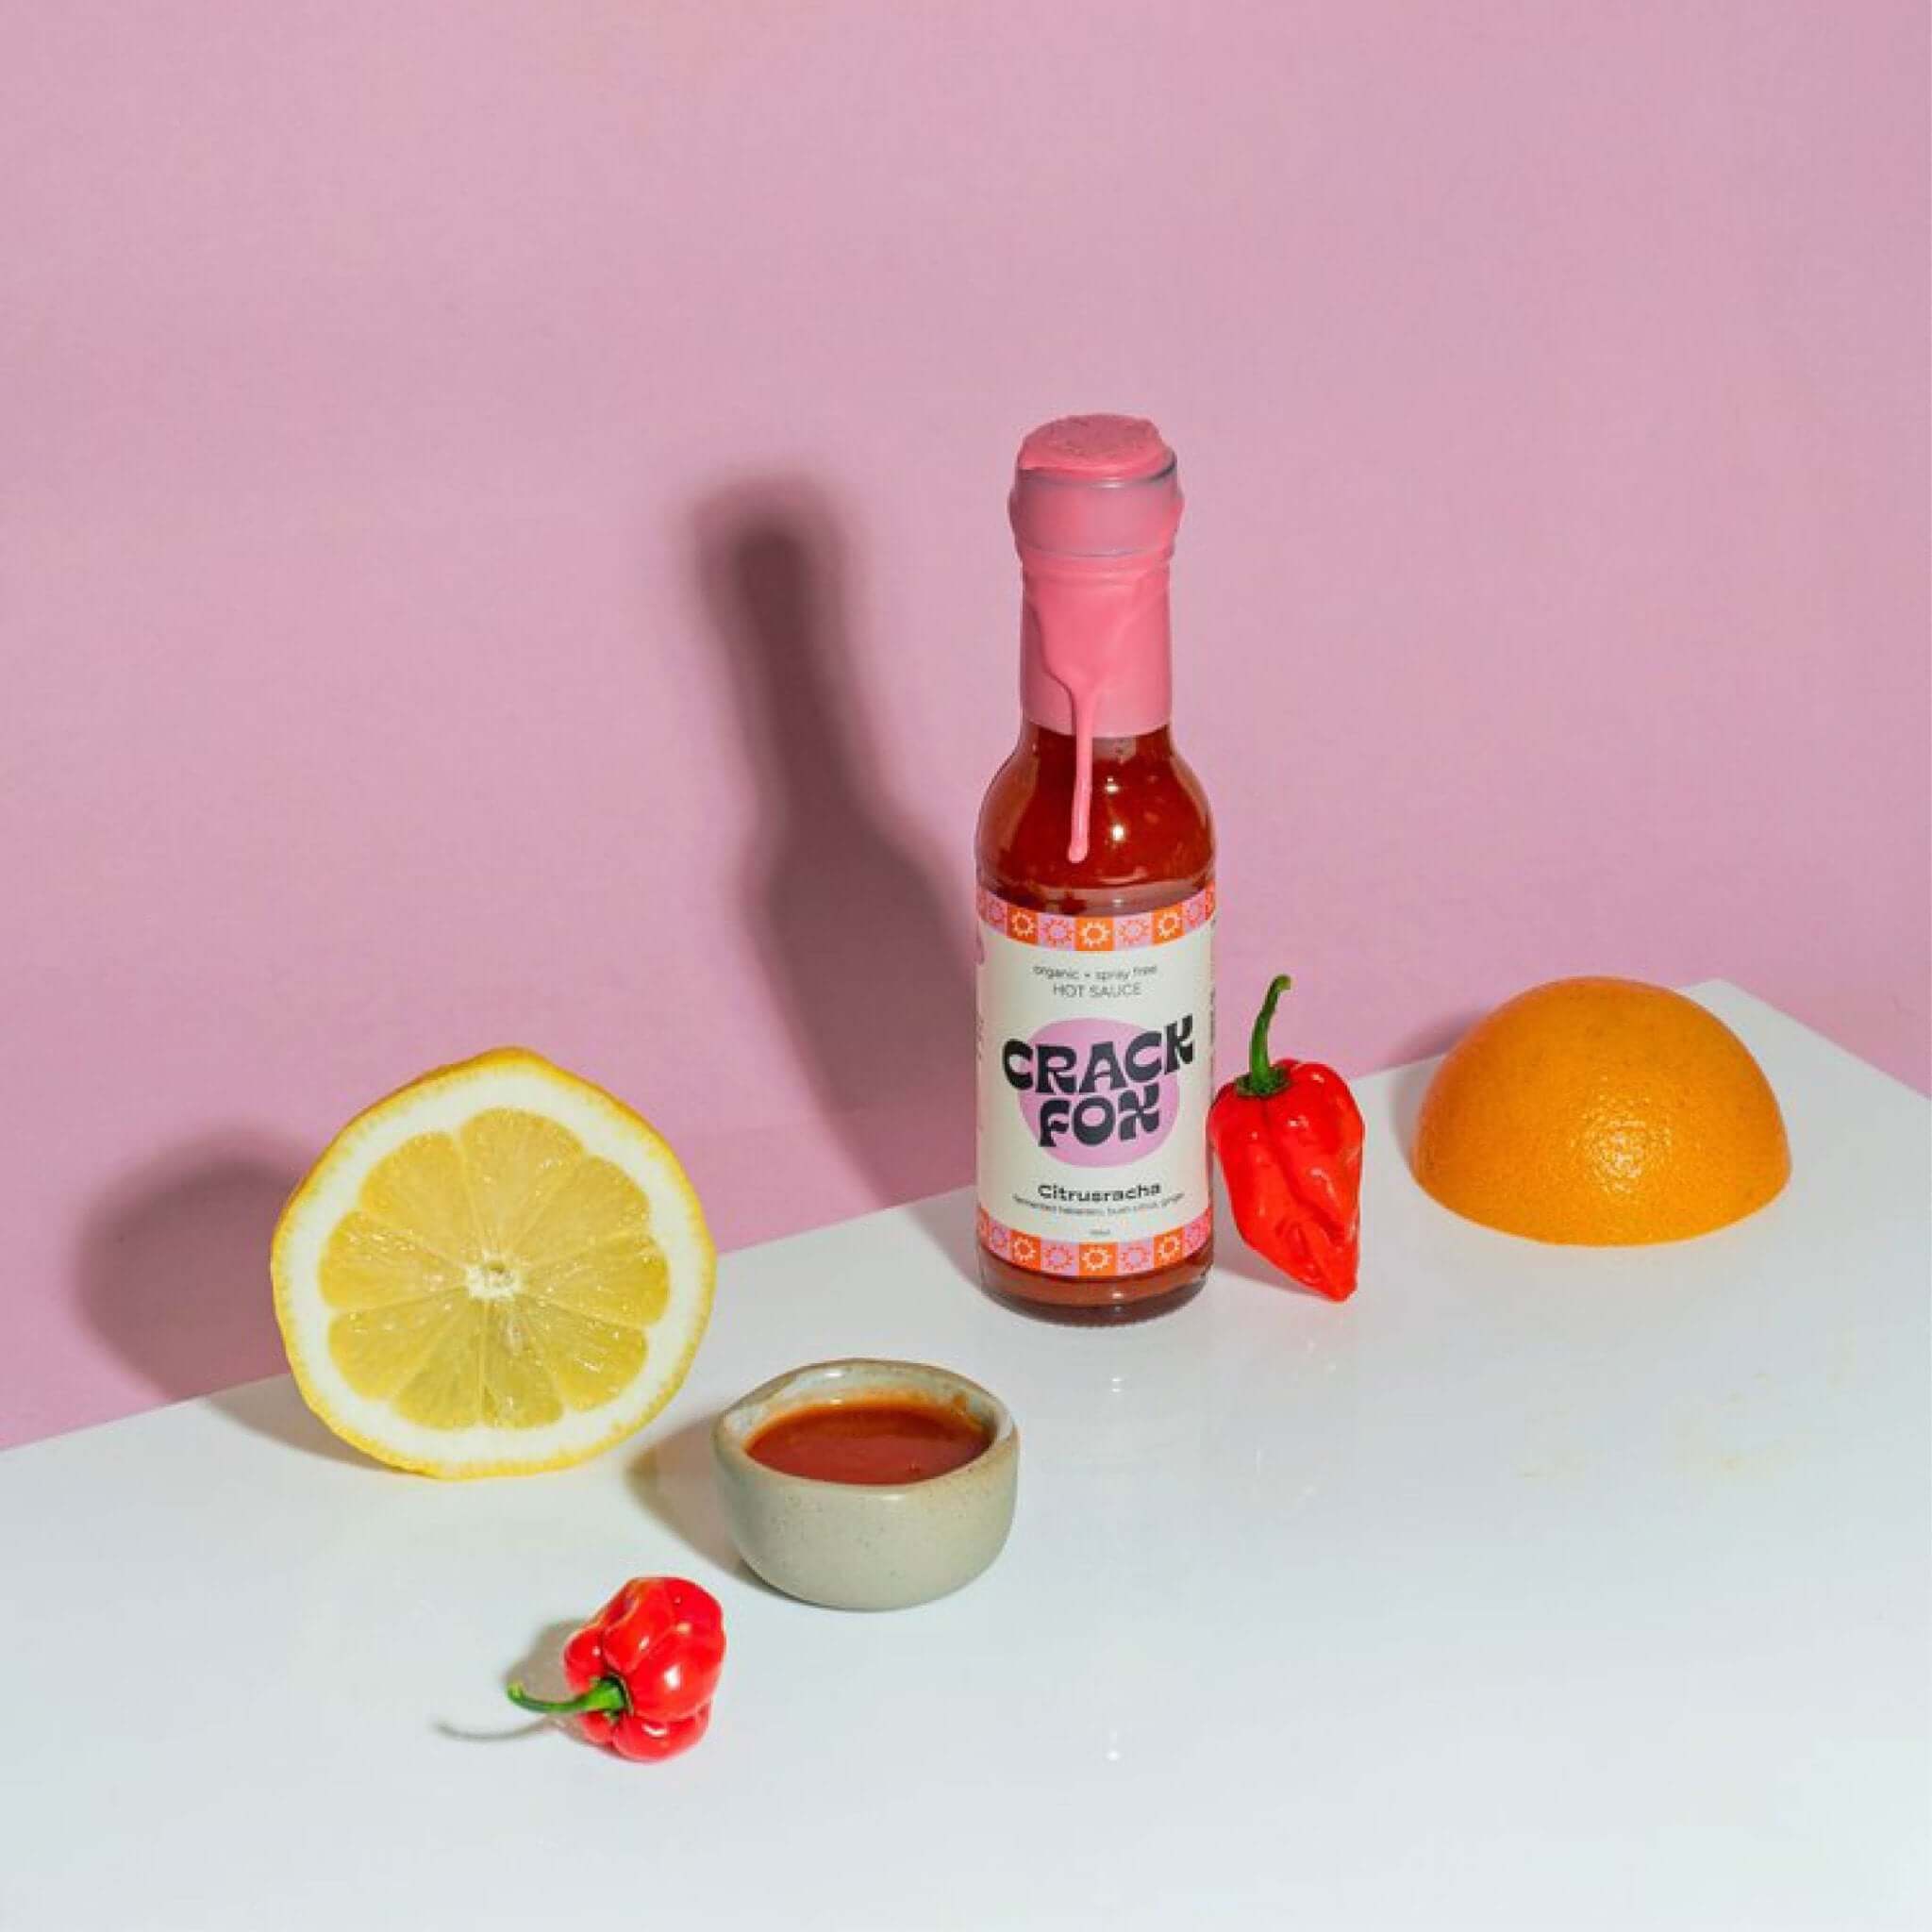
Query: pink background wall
x,y
503,540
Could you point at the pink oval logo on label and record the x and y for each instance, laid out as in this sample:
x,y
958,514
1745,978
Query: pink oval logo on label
x,y
1099,1092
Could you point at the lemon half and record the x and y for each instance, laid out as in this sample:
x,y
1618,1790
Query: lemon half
x,y
498,1270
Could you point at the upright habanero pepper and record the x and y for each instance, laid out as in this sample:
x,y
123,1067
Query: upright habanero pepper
x,y
1289,1137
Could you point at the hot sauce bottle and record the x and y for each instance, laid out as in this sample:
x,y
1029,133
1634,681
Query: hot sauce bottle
x,y
1095,907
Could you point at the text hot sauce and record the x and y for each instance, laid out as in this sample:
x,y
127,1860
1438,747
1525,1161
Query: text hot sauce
x,y
1095,905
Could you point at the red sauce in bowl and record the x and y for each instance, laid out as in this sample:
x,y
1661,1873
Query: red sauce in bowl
x,y
893,1438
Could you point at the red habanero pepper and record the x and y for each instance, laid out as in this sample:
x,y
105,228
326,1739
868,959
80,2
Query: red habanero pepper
x,y
643,1669
1289,1137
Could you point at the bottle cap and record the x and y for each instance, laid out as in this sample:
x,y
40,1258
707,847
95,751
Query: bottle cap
x,y
1096,501
1095,486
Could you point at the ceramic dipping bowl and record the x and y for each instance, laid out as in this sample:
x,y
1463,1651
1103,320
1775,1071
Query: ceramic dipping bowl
x,y
863,1546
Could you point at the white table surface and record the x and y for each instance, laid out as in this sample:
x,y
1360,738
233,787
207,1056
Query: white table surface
x,y
1533,1588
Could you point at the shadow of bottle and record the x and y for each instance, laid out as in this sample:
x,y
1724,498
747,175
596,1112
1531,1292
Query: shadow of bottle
x,y
853,923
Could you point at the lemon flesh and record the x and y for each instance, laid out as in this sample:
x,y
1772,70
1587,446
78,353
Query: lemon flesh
x,y
499,1269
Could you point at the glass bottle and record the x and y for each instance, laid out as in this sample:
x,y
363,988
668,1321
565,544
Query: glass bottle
x,y
1095,929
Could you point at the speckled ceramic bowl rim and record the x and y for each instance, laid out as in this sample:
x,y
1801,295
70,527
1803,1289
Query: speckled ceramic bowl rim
x,y
759,1406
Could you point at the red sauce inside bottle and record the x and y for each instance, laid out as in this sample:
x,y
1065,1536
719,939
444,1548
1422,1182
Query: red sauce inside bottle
x,y
1152,842
895,1439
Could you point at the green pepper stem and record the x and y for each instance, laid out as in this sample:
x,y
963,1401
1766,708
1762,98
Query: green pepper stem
x,y
1263,1077
607,1693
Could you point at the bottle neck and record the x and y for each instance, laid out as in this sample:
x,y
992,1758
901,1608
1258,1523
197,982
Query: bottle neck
x,y
1053,752
1098,641
1096,657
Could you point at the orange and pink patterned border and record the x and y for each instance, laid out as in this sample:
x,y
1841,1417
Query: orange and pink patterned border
x,y
1094,1260
1098,932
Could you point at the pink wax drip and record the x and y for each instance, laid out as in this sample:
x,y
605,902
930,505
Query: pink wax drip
x,y
1096,501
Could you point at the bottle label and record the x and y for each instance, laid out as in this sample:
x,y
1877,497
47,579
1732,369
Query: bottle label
x,y
1096,1070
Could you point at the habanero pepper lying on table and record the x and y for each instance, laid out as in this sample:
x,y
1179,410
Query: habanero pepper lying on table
x,y
1289,1137
644,1669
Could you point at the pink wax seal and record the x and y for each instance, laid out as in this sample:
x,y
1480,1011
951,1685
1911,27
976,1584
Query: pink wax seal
x,y
1096,501
1112,449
